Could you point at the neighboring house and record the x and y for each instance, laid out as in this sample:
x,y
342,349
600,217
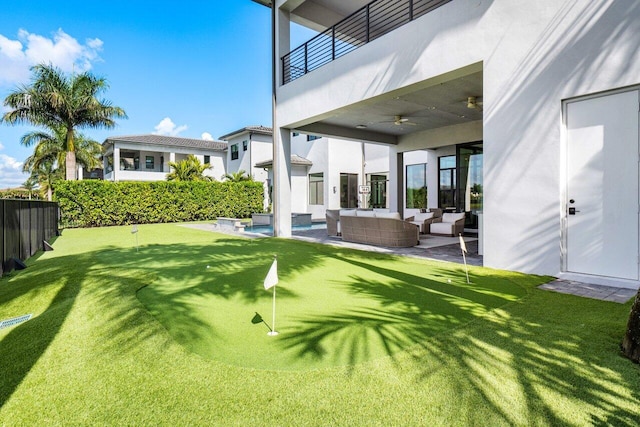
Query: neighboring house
x,y
526,113
326,173
90,174
147,157
246,147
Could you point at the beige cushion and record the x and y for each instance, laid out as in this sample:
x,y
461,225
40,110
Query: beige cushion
x,y
442,228
452,217
423,216
367,214
392,215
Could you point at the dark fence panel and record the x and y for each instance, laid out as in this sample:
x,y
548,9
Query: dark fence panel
x,y
25,225
25,231
2,232
11,226
37,235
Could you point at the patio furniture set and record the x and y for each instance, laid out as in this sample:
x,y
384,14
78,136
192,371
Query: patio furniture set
x,y
388,228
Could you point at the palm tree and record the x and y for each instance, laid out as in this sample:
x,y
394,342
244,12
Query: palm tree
x,y
57,101
189,169
29,185
50,147
46,174
237,176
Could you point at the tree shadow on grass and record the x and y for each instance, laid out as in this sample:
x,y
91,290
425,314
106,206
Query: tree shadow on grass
x,y
413,308
505,343
543,372
523,360
105,281
21,348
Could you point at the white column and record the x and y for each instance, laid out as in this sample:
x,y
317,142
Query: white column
x,y
79,172
281,136
116,162
395,180
282,183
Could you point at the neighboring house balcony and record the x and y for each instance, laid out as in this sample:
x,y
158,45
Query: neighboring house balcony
x,y
148,157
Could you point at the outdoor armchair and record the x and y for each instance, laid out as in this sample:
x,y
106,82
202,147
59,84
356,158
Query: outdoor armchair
x,y
451,224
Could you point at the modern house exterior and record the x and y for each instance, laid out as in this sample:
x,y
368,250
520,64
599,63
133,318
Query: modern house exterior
x,y
147,157
327,173
527,113
246,147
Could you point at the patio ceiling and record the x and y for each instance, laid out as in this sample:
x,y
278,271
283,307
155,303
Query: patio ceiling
x,y
321,14
436,105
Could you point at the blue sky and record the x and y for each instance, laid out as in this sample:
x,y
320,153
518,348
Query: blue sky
x,y
192,68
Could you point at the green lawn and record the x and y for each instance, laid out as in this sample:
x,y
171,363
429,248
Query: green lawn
x,y
154,337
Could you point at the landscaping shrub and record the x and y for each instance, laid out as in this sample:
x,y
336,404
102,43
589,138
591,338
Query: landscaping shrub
x,y
94,203
20,194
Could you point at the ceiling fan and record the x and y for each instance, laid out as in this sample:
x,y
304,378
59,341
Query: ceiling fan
x,y
399,121
475,102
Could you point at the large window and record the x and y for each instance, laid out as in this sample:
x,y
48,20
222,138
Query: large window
x,y
378,191
348,190
316,189
470,191
234,152
207,160
129,161
149,162
245,145
460,182
417,186
447,182
312,137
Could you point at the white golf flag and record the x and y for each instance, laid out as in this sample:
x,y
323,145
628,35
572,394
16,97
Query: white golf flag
x,y
272,276
463,246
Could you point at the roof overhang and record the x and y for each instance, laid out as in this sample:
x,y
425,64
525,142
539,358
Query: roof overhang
x,y
295,161
263,2
259,130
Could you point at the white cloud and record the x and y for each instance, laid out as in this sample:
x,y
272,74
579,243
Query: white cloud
x,y
206,136
1,146
167,127
61,50
11,174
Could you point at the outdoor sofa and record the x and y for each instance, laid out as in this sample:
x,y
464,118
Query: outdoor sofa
x,y
373,228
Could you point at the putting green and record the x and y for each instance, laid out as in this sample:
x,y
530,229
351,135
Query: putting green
x,y
334,306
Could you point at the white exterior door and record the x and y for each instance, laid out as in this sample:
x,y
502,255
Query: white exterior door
x,y
602,186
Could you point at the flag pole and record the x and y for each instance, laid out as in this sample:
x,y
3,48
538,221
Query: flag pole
x,y
463,247
270,282
273,321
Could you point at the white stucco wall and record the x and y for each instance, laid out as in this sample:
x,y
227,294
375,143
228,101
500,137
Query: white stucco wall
x,y
533,55
299,190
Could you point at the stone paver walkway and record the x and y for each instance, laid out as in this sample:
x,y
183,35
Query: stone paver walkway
x,y
605,293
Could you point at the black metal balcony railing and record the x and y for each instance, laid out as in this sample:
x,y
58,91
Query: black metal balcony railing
x,y
364,25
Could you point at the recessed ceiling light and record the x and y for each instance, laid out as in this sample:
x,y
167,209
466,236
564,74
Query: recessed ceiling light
x,y
361,126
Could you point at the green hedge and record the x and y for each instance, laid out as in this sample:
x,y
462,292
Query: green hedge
x,y
20,194
93,203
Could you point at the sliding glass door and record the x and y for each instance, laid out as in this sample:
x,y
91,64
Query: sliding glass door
x,y
469,165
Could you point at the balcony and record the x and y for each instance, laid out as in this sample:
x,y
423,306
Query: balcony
x,y
361,27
